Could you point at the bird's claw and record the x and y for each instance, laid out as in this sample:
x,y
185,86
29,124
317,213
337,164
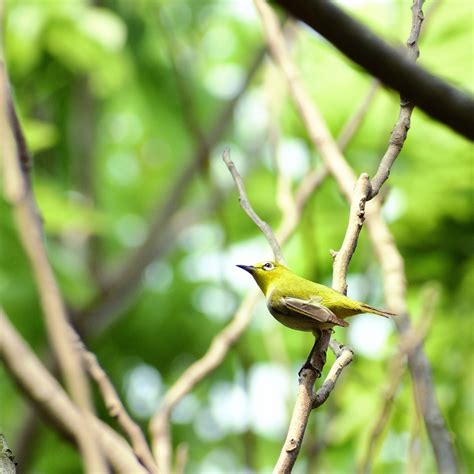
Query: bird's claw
x,y
310,366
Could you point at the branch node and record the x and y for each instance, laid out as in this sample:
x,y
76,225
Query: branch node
x,y
292,445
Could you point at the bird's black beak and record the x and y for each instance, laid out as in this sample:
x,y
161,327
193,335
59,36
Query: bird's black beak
x,y
247,268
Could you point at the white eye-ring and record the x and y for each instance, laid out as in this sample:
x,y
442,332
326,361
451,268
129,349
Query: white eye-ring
x,y
268,266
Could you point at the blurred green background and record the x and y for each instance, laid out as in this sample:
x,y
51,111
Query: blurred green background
x,y
118,99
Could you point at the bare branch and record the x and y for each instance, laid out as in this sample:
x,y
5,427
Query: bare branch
x,y
400,131
52,401
115,407
382,241
344,357
303,407
218,349
20,196
159,425
437,98
349,244
244,202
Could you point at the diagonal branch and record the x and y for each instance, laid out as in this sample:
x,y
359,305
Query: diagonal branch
x,y
52,402
246,206
115,406
437,98
344,357
343,257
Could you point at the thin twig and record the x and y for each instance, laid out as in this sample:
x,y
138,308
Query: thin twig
x,y
18,192
246,206
52,402
344,355
115,406
400,131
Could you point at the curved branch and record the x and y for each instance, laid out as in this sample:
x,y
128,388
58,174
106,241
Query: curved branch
x,y
247,207
437,98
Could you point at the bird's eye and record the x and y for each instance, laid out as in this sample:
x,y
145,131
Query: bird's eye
x,y
268,266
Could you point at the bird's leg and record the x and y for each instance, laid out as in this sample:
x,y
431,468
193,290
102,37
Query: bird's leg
x,y
308,364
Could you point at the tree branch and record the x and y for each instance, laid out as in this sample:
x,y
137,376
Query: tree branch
x,y
343,257
115,406
19,194
382,241
246,206
50,399
400,131
437,98
344,357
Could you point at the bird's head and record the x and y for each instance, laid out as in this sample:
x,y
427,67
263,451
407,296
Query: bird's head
x,y
265,273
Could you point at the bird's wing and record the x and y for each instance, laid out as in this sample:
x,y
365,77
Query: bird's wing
x,y
313,309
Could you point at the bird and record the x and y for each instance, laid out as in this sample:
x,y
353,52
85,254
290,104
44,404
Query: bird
x,y
304,305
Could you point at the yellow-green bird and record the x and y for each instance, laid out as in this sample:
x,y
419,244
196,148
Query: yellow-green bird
x,y
302,304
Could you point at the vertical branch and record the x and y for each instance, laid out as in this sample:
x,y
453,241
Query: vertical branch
x,y
20,196
382,241
400,131
343,257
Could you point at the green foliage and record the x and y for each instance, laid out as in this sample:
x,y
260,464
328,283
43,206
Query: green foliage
x,y
108,97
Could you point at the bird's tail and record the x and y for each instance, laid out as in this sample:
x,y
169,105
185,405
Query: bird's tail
x,y
379,312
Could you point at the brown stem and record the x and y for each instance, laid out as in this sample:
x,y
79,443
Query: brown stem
x,y
20,195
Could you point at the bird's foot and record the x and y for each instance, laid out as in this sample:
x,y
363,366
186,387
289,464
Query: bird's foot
x,y
308,365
